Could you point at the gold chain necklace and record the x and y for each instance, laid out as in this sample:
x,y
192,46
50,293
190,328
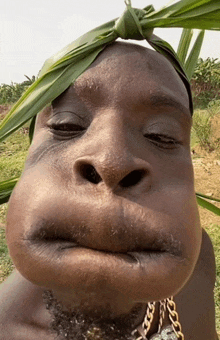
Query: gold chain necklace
x,y
171,332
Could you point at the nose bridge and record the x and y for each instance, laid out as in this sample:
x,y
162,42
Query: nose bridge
x,y
114,155
115,149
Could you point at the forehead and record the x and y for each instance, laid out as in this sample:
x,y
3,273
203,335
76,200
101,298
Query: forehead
x,y
124,70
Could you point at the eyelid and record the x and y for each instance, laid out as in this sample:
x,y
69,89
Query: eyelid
x,y
66,133
65,111
168,128
64,118
66,126
68,113
158,140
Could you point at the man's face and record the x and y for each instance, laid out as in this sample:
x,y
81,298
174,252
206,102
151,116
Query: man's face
x,y
105,213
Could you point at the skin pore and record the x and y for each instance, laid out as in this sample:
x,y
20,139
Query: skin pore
x,y
105,214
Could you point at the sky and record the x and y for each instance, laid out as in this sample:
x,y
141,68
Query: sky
x,y
33,30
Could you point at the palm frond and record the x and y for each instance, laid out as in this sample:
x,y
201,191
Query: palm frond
x,y
207,205
6,188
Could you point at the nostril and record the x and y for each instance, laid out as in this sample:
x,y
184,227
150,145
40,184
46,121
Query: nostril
x,y
132,179
89,173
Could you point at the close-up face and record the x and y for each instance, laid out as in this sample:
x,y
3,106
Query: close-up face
x,y
105,210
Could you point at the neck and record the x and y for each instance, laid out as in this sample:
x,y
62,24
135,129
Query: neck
x,y
78,324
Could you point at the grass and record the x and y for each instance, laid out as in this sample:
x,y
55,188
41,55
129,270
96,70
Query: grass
x,y
13,152
202,128
214,233
6,265
12,156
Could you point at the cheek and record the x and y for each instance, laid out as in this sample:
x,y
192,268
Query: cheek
x,y
176,199
183,207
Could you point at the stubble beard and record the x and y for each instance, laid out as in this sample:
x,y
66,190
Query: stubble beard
x,y
75,325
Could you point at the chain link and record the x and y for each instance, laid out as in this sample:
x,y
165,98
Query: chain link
x,y
149,317
167,304
174,318
162,314
145,327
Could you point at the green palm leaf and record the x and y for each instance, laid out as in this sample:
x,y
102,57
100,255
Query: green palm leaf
x,y
42,92
211,198
191,61
6,188
207,205
184,44
183,50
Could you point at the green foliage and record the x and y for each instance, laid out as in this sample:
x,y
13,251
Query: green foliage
x,y
6,265
13,153
3,213
6,188
202,128
214,233
206,82
194,54
184,44
11,93
202,133
206,204
189,56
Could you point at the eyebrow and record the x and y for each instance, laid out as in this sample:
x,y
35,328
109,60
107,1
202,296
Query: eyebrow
x,y
162,99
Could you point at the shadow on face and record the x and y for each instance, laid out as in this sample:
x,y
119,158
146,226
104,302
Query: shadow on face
x,y
105,213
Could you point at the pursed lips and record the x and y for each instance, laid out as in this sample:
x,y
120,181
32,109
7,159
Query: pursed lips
x,y
152,246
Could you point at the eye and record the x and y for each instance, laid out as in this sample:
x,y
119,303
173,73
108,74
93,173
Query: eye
x,y
66,129
162,141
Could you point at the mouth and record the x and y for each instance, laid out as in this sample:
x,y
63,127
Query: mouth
x,y
136,245
159,253
133,254
143,269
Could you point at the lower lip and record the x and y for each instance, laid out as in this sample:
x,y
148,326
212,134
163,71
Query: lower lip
x,y
91,259
132,256
120,266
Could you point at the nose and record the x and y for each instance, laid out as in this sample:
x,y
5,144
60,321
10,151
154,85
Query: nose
x,y
112,177
115,166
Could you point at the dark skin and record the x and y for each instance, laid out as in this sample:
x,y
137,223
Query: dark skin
x,y
105,213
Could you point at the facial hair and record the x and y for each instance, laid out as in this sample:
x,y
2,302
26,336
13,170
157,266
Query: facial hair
x,y
69,325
